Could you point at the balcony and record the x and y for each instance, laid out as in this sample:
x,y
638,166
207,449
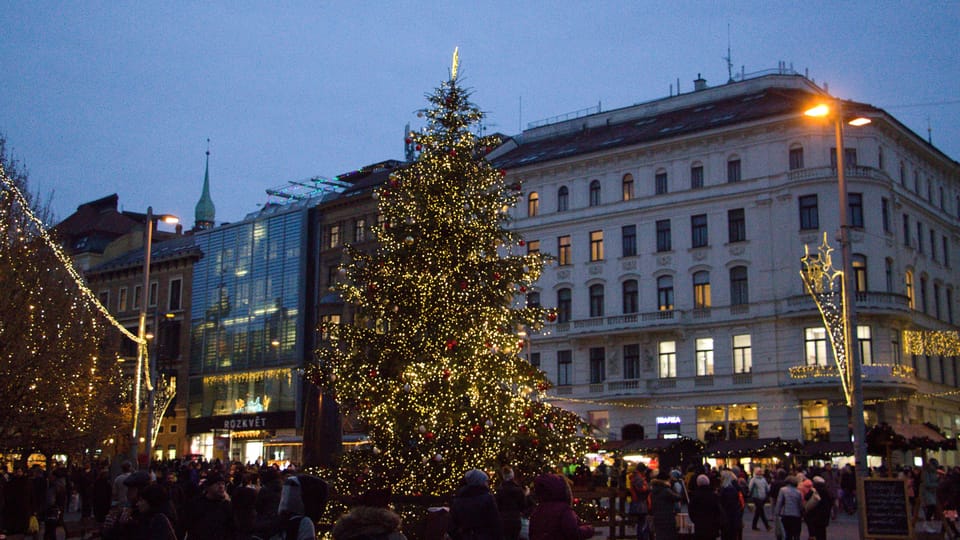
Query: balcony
x,y
877,375
851,171
868,302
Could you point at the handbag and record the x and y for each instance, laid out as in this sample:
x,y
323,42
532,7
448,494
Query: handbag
x,y
33,526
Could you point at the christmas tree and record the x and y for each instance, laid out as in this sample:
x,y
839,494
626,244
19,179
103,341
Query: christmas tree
x,y
432,362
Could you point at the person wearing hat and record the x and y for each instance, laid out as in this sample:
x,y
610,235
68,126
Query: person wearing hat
x,y
789,509
210,515
473,510
705,510
128,522
818,504
513,502
155,521
554,518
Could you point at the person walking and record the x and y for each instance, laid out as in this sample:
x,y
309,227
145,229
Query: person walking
x,y
663,507
639,493
553,518
759,492
513,503
789,509
473,510
705,510
817,508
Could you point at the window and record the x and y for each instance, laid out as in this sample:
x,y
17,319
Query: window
x,y
564,305
815,344
936,300
815,419
563,251
152,300
563,199
733,170
660,181
627,187
736,225
667,355
329,325
598,371
596,300
596,246
742,354
933,244
698,230
923,294
631,296
903,174
175,295
696,176
137,296
665,293
173,428
906,230
895,346
888,272
359,230
739,289
663,235
855,209
628,241
533,246
809,218
122,299
796,158
859,264
945,250
865,342
949,301
704,356
701,290
916,182
533,204
919,236
595,193
564,368
849,157
908,284
534,359
880,160
533,299
104,298
333,238
631,361
885,214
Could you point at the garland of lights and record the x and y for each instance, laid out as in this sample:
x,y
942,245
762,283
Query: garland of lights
x,y
819,277
88,294
249,376
931,342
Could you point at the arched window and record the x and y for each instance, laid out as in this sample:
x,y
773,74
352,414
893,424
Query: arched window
x,y
563,199
533,204
665,293
595,193
564,305
631,296
701,290
596,300
739,290
627,187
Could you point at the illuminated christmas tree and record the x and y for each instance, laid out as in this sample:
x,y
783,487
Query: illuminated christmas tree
x,y
432,363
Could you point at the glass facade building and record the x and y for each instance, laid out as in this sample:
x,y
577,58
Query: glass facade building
x,y
249,335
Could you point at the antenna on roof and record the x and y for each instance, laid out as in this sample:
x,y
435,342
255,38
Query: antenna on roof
x,y
929,132
729,58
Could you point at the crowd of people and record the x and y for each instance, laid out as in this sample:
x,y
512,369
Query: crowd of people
x,y
213,500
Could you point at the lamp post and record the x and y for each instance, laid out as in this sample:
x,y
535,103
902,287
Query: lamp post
x,y
852,347
142,330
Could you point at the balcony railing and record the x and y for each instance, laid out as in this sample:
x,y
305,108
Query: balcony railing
x,y
870,374
851,171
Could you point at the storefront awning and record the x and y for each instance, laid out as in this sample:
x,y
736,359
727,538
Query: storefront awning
x,y
751,447
658,446
827,449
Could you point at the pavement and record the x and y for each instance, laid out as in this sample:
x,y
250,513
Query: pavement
x,y
843,528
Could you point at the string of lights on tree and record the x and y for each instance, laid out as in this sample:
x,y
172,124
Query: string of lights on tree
x,y
431,363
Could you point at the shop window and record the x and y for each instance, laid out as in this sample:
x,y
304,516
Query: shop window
x,y
815,420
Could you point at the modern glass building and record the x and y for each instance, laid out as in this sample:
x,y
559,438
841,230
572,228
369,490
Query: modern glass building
x,y
251,332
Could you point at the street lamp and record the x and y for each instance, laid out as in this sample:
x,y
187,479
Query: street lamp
x,y
834,112
142,327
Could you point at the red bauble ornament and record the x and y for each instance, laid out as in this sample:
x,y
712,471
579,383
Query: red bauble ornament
x,y
451,344
503,172
523,289
463,285
408,140
527,413
521,243
429,435
523,429
551,316
535,442
418,148
394,182
594,447
372,373
446,374
453,153
477,429
542,386
468,438
496,276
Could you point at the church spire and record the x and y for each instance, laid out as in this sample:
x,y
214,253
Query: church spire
x,y
205,212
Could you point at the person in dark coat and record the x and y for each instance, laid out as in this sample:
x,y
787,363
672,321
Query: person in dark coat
x,y
705,510
210,516
102,495
473,510
19,502
663,500
553,518
512,502
731,499
370,518
155,521
818,517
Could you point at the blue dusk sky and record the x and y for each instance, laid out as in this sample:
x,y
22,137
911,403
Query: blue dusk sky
x,y
121,97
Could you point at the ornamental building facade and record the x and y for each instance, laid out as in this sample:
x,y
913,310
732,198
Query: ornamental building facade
x,y
678,227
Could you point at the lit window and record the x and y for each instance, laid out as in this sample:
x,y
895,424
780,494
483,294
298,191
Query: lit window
x,y
667,355
627,187
704,356
564,251
533,204
665,293
596,245
742,354
908,284
865,342
859,264
701,290
815,345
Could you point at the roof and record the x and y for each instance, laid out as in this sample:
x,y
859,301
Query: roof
x,y
918,432
179,247
750,447
656,446
96,223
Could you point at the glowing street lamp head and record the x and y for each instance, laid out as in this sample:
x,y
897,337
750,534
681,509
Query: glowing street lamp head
x,y
169,219
818,111
859,121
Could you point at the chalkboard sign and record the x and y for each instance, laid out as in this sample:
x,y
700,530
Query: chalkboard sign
x,y
884,508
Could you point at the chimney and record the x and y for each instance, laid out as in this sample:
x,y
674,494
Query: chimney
x,y
699,84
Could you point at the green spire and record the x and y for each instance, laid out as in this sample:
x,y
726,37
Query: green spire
x,y
205,212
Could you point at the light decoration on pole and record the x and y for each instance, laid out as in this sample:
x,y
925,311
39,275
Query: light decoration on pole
x,y
824,283
432,361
